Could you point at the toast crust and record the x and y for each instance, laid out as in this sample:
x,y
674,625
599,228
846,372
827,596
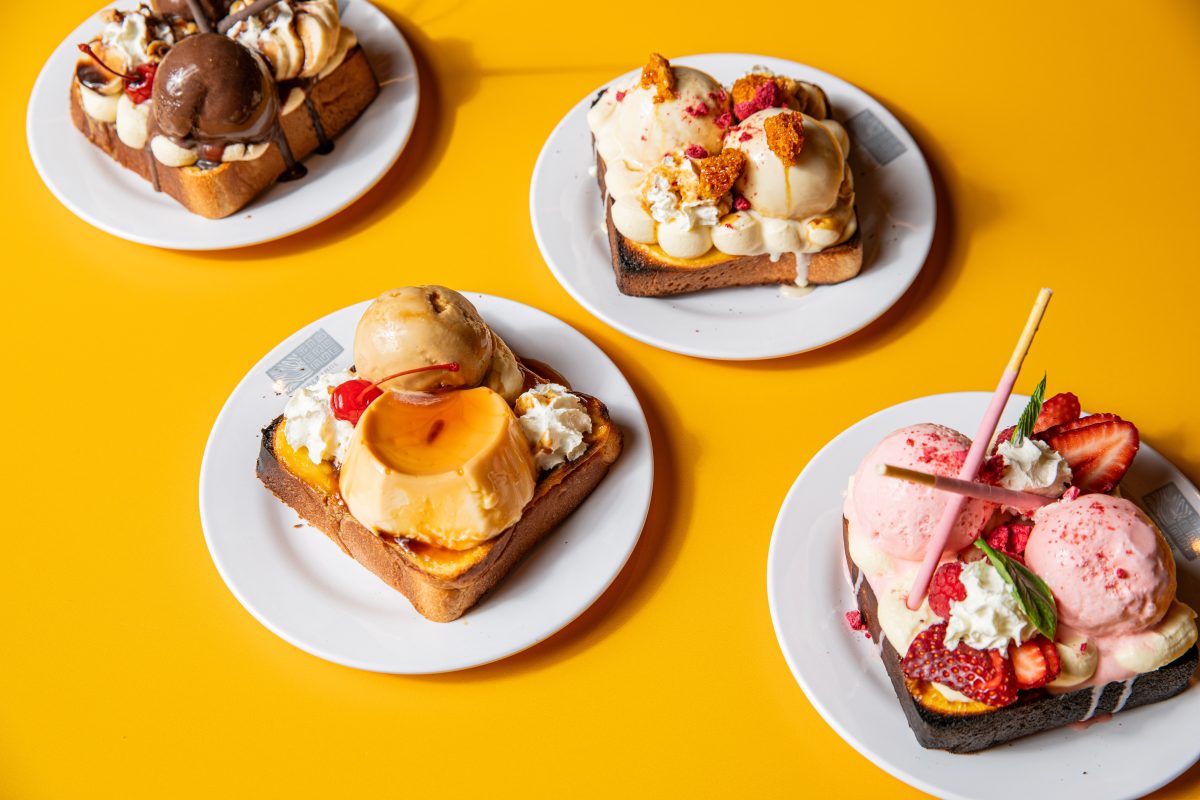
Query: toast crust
x,y
646,271
338,100
443,590
943,724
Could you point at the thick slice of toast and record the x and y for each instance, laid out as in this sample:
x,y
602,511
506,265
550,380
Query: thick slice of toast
x,y
338,100
441,584
646,271
969,727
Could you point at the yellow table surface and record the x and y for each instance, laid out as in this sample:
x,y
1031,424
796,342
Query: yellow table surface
x,y
1063,145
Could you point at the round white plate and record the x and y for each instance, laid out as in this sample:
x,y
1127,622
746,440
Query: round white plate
x,y
896,210
99,191
297,582
840,671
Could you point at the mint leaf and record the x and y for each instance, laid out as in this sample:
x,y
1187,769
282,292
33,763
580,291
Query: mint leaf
x,y
1031,592
1030,414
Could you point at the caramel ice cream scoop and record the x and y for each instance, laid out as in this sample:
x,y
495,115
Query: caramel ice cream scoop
x,y
420,325
212,90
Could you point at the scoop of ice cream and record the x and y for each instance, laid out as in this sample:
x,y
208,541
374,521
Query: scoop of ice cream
x,y
1110,569
789,177
421,325
212,90
639,123
898,516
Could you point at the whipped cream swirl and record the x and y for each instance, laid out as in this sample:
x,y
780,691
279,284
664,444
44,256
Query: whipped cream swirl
x,y
308,420
555,422
989,617
672,192
1034,467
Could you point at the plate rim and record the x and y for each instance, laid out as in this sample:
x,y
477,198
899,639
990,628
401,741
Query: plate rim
x,y
403,51
545,155
894,769
640,425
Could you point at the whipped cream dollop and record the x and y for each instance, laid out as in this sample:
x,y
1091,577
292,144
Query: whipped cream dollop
x,y
555,422
989,617
138,35
672,192
297,40
1034,466
308,420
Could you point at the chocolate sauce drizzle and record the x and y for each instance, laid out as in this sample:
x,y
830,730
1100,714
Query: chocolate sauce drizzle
x,y
293,169
324,143
249,11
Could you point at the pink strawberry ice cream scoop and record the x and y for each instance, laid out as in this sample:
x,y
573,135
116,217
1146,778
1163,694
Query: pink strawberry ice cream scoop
x,y
1109,568
898,516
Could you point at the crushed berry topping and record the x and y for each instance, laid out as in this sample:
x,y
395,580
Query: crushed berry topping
x,y
620,96
1122,574
766,96
695,151
855,620
946,586
741,203
746,136
724,120
698,110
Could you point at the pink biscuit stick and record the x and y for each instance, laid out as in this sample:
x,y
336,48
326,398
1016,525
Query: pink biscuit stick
x,y
970,468
1021,501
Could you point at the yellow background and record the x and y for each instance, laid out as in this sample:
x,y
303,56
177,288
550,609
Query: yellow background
x,y
1063,143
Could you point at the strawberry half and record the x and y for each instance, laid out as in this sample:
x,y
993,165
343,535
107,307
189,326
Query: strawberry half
x,y
1099,452
1062,408
982,675
1035,663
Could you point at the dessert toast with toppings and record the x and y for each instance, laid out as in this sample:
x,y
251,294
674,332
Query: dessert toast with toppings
x,y
441,584
332,105
968,727
438,478
706,188
213,102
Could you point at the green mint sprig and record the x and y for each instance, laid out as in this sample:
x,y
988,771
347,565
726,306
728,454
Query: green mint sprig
x,y
1031,592
1030,414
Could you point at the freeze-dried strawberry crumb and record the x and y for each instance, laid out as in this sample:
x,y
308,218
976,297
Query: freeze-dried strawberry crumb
x,y
741,203
695,151
698,110
855,620
1122,574
724,120
766,96
620,96
746,136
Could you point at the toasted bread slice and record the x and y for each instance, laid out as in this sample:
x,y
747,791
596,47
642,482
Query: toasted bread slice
x,y
646,271
943,724
337,99
441,584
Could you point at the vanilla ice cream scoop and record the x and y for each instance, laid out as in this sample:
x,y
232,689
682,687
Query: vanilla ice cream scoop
x,y
1110,569
806,188
421,325
899,517
640,122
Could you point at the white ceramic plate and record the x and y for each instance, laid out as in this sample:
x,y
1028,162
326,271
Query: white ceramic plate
x,y
298,583
99,191
896,209
841,673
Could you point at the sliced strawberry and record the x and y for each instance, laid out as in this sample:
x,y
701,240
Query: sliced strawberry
x,y
1076,424
946,586
1099,453
982,675
1062,408
1005,436
1035,663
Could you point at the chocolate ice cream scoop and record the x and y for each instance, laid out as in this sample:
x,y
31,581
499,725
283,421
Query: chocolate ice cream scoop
x,y
210,90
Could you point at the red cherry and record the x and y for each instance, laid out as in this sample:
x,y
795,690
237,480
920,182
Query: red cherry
x,y
351,398
139,86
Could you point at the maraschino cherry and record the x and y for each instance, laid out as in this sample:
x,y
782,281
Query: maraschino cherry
x,y
139,86
351,398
